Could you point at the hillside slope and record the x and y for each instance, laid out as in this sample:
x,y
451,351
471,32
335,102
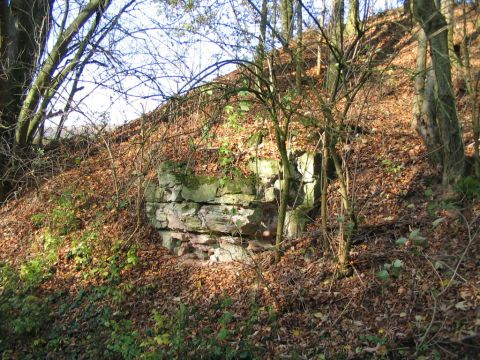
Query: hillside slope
x,y
82,274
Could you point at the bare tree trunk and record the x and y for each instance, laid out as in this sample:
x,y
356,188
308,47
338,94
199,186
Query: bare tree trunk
x,y
324,193
420,75
434,25
286,9
299,52
27,122
348,226
260,56
336,46
447,7
353,21
472,90
24,26
407,8
424,105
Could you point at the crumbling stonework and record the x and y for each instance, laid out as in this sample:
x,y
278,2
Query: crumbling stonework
x,y
224,219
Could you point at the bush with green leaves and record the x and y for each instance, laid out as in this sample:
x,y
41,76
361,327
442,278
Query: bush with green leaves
x,y
178,337
81,249
21,312
124,341
470,187
64,219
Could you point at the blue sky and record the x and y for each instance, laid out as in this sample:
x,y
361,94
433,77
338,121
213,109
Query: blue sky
x,y
156,61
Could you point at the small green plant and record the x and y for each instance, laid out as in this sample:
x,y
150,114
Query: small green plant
x,y
415,238
37,269
390,270
39,219
21,313
81,250
110,268
236,113
124,340
470,187
34,271
64,220
226,157
30,314
391,167
132,257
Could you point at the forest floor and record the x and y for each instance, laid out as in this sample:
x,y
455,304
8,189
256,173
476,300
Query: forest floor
x,y
83,275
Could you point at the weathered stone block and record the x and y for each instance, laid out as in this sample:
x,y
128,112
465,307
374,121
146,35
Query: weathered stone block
x,y
227,219
169,179
182,216
156,216
162,195
296,195
200,189
237,185
235,199
312,193
231,219
265,169
203,216
296,221
309,165
168,240
229,252
270,194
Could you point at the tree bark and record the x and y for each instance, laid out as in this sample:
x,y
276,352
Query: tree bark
x,y
299,50
424,105
41,83
353,21
434,25
336,41
472,90
24,26
286,9
447,7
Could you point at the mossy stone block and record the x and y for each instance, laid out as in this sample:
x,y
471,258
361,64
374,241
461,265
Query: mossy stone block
x,y
200,188
237,185
264,168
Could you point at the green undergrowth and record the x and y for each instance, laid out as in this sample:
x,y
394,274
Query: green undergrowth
x,y
37,322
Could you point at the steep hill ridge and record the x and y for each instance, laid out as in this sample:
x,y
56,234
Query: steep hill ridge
x,y
84,275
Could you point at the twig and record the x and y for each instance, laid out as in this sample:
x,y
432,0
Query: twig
x,y
430,324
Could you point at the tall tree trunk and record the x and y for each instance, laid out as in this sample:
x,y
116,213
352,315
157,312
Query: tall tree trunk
x,y
24,26
348,226
447,7
260,53
299,50
353,21
424,105
434,25
285,185
407,8
336,41
286,9
420,76
472,90
27,122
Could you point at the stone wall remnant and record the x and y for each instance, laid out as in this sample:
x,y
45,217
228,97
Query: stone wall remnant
x,y
223,219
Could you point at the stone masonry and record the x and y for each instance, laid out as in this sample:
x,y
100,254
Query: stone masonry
x,y
223,219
